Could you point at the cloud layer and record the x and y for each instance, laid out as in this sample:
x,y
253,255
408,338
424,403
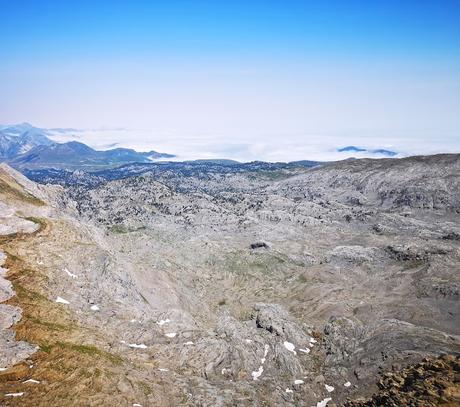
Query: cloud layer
x,y
271,148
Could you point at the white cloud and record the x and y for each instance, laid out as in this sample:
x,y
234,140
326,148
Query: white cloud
x,y
265,148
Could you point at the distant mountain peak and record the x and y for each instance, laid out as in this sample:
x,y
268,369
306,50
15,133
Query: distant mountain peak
x,y
25,146
379,151
352,149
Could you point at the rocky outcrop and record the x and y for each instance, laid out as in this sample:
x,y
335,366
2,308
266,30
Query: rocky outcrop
x,y
433,382
11,351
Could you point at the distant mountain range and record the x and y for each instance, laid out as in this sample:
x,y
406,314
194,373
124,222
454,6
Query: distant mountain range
x,y
380,151
26,146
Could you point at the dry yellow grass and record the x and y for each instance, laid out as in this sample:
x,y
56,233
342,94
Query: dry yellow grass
x,y
70,373
11,190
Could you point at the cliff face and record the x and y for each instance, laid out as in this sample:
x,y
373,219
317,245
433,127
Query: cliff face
x,y
216,287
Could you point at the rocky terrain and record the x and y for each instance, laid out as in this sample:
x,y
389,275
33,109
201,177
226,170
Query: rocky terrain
x,y
203,285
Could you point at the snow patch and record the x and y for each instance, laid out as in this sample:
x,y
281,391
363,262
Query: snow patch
x,y
256,374
171,334
266,348
61,300
32,381
323,403
135,345
329,389
70,274
188,343
94,307
290,347
14,394
304,350
163,370
347,384
299,381
163,321
289,391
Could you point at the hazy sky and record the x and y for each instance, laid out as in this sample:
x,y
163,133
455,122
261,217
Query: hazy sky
x,y
257,79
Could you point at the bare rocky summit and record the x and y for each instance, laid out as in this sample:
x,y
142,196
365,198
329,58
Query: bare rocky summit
x,y
258,286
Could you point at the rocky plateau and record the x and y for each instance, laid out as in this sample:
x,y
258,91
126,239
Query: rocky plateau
x,y
195,284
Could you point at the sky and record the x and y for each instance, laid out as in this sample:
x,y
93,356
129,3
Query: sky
x,y
270,80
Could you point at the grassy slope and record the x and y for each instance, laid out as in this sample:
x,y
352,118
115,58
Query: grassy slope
x,y
70,372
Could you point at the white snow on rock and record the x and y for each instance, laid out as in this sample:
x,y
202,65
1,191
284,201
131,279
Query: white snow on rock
x,y
290,347
171,335
330,389
94,307
137,405
248,340
61,300
188,343
163,321
323,403
266,348
299,381
163,370
289,391
3,369
14,394
135,345
313,340
347,384
32,381
304,350
257,373
70,274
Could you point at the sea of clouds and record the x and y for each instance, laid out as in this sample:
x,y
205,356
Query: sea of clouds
x,y
270,148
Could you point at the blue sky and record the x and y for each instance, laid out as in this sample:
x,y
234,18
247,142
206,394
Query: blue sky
x,y
238,76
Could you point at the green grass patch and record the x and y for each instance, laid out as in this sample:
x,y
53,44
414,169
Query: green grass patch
x,y
145,388
89,350
30,295
18,193
302,279
46,347
120,229
50,325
